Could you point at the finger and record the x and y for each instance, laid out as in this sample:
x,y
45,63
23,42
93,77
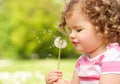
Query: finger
x,y
53,76
56,71
52,79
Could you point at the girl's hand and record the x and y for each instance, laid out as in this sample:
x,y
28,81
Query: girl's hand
x,y
53,76
62,81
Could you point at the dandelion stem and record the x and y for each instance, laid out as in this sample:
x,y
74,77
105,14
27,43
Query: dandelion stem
x,y
59,58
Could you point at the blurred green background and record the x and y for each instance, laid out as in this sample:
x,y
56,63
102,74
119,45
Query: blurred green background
x,y
28,29
27,32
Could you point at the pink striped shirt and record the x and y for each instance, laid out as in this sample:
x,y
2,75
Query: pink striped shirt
x,y
89,70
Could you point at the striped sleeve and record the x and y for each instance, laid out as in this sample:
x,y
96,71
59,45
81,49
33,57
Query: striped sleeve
x,y
111,62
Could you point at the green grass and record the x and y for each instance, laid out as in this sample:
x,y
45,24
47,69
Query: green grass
x,y
41,67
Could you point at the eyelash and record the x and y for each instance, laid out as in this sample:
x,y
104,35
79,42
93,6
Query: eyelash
x,y
79,30
68,30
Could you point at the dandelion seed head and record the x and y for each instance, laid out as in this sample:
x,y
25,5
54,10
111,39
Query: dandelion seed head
x,y
60,43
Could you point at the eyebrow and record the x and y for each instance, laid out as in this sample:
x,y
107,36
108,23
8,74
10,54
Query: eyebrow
x,y
77,26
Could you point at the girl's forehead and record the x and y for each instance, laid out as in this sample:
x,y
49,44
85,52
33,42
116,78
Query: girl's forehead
x,y
76,19
75,14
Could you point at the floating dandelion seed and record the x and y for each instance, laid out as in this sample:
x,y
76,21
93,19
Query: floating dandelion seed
x,y
49,55
44,31
49,31
37,38
50,46
39,41
60,43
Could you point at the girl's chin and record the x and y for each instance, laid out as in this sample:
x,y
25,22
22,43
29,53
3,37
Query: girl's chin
x,y
79,49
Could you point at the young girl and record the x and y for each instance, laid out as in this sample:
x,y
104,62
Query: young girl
x,y
94,29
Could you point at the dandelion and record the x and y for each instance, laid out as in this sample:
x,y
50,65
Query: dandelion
x,y
60,43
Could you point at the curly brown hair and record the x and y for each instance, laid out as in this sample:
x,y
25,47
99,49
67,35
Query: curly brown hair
x,y
105,14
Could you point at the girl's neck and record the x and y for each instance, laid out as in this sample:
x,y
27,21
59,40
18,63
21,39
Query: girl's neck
x,y
97,51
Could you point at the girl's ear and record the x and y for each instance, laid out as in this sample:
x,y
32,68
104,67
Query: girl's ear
x,y
97,29
99,33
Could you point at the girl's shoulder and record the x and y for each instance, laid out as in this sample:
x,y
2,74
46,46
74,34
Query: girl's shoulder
x,y
112,53
79,60
111,60
83,56
114,46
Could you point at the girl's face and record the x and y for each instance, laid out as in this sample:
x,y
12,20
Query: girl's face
x,y
83,34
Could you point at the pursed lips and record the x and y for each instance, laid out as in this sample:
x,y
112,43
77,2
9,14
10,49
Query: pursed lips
x,y
74,43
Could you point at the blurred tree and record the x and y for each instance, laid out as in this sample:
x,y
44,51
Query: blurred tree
x,y
28,28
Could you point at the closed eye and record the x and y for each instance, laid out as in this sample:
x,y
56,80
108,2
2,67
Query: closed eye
x,y
79,30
